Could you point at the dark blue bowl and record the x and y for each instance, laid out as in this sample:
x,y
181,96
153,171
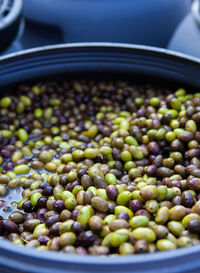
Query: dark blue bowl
x,y
104,61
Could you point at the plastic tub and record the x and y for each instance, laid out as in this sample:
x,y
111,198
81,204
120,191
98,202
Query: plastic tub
x,y
105,61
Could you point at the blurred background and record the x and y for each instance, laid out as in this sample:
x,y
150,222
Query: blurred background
x,y
173,24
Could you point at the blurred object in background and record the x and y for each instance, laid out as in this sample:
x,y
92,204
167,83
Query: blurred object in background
x,y
10,22
186,38
148,22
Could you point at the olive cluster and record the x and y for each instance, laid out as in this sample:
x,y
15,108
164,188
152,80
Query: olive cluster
x,y
101,167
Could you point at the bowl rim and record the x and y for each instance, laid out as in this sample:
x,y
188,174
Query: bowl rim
x,y
54,256
108,45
